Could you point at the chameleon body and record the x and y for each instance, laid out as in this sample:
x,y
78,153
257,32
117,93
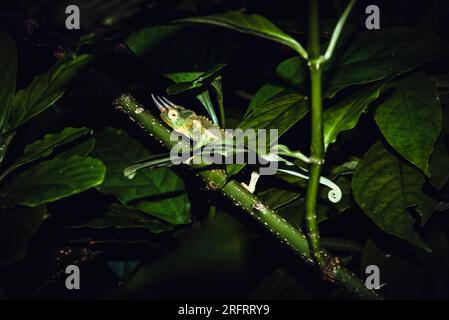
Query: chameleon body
x,y
204,132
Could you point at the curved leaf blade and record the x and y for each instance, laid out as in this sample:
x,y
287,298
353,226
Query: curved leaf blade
x,y
250,24
52,180
384,187
411,119
345,115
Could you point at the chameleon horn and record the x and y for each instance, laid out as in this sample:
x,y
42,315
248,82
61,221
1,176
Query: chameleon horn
x,y
173,105
158,104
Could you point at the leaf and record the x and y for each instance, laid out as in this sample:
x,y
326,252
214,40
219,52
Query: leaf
x,y
439,165
8,73
46,88
251,24
200,81
82,149
345,115
281,113
204,98
411,119
292,71
378,54
385,187
52,180
16,228
45,147
120,217
369,56
277,198
161,190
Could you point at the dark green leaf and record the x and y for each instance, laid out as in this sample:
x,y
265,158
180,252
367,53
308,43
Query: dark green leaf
x,y
411,119
251,24
52,180
118,151
45,147
46,88
345,115
385,188
16,228
8,72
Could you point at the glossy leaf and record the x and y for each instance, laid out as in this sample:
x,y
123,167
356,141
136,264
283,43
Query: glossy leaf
x,y
52,180
251,24
161,190
385,188
8,73
45,147
411,119
345,115
46,88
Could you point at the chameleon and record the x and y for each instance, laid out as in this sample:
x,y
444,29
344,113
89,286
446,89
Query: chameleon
x,y
185,122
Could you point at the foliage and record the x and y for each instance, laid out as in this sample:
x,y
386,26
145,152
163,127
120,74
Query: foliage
x,y
63,148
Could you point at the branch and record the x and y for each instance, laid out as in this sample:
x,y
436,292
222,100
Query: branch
x,y
216,179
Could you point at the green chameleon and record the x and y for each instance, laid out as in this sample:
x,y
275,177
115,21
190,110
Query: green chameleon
x,y
185,122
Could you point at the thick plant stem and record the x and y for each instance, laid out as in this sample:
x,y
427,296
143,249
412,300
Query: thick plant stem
x,y
215,179
317,145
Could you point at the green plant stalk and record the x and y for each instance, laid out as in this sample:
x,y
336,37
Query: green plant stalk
x,y
216,179
317,140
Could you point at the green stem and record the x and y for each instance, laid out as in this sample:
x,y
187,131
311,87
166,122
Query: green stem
x,y
317,145
216,179
337,31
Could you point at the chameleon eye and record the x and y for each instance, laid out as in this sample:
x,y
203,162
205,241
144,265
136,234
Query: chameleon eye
x,y
173,115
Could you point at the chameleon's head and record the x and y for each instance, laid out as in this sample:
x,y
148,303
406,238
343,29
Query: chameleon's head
x,y
171,113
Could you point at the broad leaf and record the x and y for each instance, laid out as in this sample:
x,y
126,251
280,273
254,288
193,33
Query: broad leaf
x,y
8,72
411,119
161,190
281,113
17,226
46,88
52,180
251,24
44,147
345,115
385,188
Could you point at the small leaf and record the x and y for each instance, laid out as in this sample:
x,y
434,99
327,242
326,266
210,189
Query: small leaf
x,y
161,191
345,115
46,88
8,73
251,24
411,119
384,187
200,81
16,228
45,147
52,180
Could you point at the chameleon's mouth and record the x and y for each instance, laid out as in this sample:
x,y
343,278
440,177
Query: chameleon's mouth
x,y
163,104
